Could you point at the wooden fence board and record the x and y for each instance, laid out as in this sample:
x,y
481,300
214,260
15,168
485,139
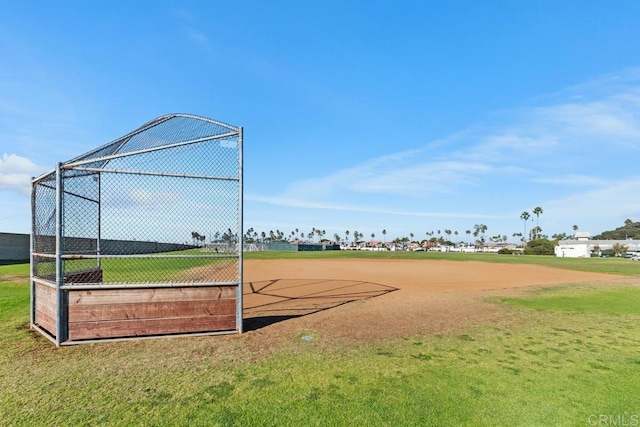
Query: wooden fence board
x,y
45,292
45,321
150,310
145,327
115,296
45,307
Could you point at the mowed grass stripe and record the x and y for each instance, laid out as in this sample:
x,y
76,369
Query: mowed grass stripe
x,y
615,301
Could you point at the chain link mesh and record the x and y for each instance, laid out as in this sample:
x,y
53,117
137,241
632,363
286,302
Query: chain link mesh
x,y
159,205
44,226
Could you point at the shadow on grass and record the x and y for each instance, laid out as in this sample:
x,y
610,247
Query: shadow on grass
x,y
272,301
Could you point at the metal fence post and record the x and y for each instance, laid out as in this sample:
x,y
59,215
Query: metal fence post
x,y
59,272
239,290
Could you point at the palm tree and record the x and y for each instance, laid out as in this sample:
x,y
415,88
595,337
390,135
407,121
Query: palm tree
x,y
468,232
575,228
384,236
346,233
536,233
525,217
537,211
336,237
480,229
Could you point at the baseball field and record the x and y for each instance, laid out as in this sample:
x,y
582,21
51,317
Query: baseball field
x,y
357,339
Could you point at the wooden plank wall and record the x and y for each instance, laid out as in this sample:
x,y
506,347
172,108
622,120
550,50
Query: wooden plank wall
x,y
45,301
114,313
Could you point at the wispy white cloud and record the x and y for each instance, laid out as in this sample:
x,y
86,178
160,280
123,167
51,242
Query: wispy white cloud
x,y
406,173
192,29
148,198
613,118
16,173
307,204
198,36
153,198
616,199
436,177
570,180
184,14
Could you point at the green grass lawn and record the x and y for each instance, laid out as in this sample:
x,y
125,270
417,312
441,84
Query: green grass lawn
x,y
140,270
557,356
610,300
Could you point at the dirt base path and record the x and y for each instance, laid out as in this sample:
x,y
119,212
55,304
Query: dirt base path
x,y
379,299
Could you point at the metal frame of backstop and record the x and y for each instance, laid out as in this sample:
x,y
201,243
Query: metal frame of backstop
x,y
122,236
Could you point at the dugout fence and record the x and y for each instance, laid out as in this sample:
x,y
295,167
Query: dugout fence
x,y
119,241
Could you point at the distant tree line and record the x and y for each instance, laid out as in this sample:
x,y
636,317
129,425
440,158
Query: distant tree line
x,y
532,239
630,230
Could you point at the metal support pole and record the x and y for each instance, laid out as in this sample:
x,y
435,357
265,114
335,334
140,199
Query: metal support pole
x,y
32,266
99,178
239,289
60,300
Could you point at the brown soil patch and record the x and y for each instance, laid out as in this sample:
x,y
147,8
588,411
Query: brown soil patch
x,y
358,299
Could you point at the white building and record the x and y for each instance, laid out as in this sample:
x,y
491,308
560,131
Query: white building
x,y
582,246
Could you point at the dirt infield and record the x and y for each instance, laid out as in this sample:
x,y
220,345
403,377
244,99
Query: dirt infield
x,y
380,299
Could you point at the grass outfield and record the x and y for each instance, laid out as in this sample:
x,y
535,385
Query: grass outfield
x,y
136,270
559,356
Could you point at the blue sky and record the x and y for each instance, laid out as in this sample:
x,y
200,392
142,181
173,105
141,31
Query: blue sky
x,y
404,116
